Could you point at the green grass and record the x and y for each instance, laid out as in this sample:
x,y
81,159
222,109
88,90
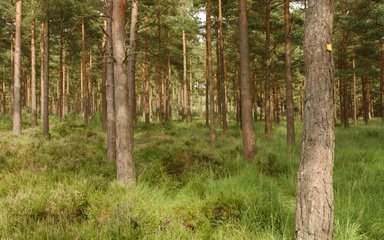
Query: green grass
x,y
64,187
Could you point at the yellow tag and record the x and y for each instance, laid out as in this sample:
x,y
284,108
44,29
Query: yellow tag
x,y
329,47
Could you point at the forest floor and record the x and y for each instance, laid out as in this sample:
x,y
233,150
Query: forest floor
x,y
64,188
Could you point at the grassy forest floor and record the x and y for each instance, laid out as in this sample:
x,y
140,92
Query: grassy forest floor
x,y
64,188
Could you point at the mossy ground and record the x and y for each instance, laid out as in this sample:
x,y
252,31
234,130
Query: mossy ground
x,y
64,187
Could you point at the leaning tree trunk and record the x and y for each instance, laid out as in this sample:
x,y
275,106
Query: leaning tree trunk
x,y
110,94
16,129
314,199
212,130
124,92
288,77
249,145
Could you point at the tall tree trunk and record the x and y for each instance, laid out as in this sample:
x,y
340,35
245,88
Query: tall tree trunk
x,y
206,86
168,111
11,72
90,86
124,92
221,69
354,90
365,88
249,144
3,93
16,128
104,124
212,130
83,74
146,75
288,77
184,101
382,78
218,78
190,91
61,77
45,88
314,200
159,80
110,94
33,68
41,68
267,83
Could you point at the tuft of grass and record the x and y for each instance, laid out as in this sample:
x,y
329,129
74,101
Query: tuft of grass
x,y
64,187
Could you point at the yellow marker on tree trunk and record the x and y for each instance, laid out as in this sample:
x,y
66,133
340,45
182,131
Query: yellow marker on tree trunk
x,y
329,47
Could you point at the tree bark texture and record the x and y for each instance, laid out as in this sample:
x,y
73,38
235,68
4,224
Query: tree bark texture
x,y
159,80
185,89
267,81
33,72
110,94
249,145
288,77
83,71
221,69
382,79
314,199
45,88
212,130
123,91
16,128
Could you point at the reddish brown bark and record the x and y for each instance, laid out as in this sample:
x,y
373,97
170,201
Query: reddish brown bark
x,y
288,77
249,145
16,127
212,130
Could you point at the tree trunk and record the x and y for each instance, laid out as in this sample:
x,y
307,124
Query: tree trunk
x,y
288,77
185,89
16,128
190,91
218,78
41,68
104,124
246,96
221,69
159,80
11,72
89,86
382,79
354,90
110,94
267,83
314,200
146,75
124,92
366,103
212,130
33,69
83,74
45,92
61,77
206,86
3,93
168,110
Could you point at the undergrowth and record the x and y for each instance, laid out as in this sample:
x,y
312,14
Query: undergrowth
x,y
64,187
